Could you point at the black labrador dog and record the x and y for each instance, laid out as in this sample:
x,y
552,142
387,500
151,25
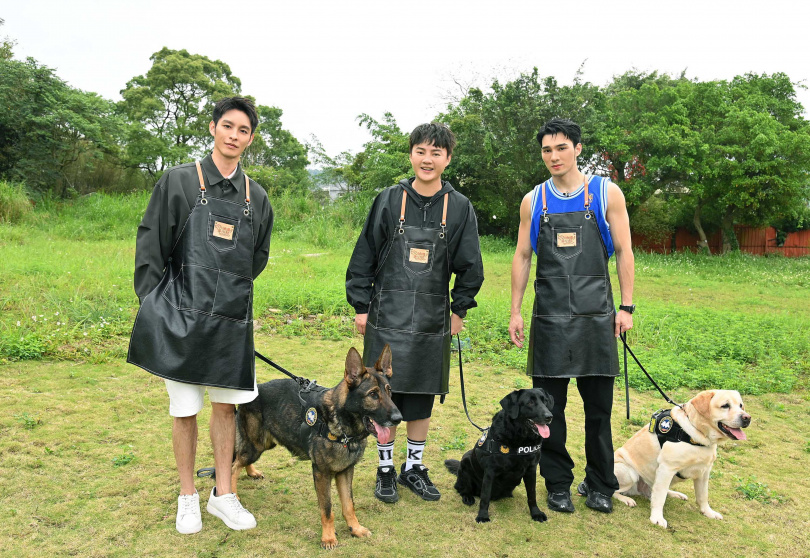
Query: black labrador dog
x,y
507,452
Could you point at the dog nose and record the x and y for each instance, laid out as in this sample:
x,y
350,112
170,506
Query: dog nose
x,y
746,420
548,417
396,417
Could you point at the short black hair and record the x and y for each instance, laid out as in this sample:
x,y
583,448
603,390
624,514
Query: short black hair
x,y
435,133
568,128
239,103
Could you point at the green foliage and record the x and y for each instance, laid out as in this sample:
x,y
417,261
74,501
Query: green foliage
x,y
14,202
751,489
656,218
124,459
29,422
497,159
51,134
169,108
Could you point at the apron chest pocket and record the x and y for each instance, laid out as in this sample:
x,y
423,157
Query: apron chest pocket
x,y
418,257
566,242
222,232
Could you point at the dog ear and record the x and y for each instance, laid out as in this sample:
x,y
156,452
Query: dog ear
x,y
510,404
702,402
354,368
383,363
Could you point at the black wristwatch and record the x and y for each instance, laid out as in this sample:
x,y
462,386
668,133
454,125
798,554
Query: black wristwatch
x,y
629,309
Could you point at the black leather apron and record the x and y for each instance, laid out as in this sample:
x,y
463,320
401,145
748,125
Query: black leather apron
x,y
196,326
572,330
410,308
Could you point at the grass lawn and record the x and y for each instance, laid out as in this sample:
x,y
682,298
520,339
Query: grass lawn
x,y
85,446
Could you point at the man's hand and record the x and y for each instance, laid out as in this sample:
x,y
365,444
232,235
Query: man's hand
x,y
516,329
456,323
360,322
624,322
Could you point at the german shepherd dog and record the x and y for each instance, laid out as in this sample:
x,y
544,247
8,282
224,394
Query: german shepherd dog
x,y
507,452
328,427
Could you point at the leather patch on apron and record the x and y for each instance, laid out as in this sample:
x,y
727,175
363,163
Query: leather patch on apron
x,y
223,230
567,240
419,255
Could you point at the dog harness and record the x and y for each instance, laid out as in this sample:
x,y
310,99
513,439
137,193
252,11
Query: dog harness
x,y
492,445
667,430
318,427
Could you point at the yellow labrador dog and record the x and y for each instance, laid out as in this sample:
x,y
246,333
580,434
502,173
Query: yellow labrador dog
x,y
679,444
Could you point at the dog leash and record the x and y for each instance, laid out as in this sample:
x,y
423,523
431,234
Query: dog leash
x,y
305,384
461,377
627,391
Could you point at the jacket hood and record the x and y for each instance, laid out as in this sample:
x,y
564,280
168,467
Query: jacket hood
x,y
407,183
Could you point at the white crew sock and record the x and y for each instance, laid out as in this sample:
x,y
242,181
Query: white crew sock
x,y
386,454
415,451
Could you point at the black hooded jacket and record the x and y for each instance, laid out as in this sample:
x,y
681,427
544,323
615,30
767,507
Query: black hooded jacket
x,y
383,220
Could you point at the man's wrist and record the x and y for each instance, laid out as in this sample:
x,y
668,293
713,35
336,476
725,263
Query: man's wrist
x,y
629,308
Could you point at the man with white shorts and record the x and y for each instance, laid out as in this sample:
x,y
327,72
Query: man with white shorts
x,y
203,240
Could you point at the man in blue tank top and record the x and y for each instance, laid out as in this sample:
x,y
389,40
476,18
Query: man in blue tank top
x,y
574,223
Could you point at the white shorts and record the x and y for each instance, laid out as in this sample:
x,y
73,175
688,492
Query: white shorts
x,y
186,400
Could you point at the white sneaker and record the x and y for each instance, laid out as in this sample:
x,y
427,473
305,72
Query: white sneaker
x,y
189,519
230,510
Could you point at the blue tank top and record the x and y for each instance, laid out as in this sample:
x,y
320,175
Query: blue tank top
x,y
558,203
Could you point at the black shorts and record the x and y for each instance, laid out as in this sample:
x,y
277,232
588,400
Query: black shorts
x,y
413,406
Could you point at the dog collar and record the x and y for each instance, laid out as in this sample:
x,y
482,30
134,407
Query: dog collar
x,y
667,430
492,445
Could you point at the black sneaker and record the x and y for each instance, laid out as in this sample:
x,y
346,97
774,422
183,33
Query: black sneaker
x,y
386,489
416,478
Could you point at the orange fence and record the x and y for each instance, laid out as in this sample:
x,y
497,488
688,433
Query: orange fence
x,y
753,240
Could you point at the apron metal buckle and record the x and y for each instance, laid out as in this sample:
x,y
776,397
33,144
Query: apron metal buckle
x,y
401,223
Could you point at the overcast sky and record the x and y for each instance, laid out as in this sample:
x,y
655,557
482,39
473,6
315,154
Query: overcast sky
x,y
324,62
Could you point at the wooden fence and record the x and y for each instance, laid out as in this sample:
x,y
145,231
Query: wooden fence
x,y
753,240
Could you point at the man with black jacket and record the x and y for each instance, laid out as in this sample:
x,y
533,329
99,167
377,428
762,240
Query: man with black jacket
x,y
203,240
416,235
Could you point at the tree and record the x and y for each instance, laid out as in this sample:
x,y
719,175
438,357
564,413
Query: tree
x,y
49,131
169,108
276,159
497,159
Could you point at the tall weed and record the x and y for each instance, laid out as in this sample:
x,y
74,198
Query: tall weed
x,y
14,202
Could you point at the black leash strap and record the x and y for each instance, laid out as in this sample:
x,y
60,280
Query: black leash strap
x,y
626,383
665,396
305,384
461,376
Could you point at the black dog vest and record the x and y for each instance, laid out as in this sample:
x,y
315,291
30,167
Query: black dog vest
x,y
667,430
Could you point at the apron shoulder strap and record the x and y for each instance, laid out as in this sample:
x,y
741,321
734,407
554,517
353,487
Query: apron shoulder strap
x,y
200,175
247,190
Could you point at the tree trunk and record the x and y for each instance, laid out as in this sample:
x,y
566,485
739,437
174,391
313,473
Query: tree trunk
x,y
729,236
703,243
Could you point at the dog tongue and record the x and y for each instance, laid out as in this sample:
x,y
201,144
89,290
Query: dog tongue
x,y
542,429
737,433
383,433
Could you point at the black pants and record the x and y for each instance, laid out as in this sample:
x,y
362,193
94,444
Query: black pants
x,y
556,465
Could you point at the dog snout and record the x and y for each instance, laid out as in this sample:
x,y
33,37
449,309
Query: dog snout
x,y
745,420
396,417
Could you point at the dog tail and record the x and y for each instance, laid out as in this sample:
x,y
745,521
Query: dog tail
x,y
453,465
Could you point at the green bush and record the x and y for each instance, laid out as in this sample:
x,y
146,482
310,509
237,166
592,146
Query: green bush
x,y
14,202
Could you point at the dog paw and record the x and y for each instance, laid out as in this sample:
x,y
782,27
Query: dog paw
x,y
482,519
625,500
329,543
360,532
679,495
538,515
469,500
711,514
658,520
253,472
